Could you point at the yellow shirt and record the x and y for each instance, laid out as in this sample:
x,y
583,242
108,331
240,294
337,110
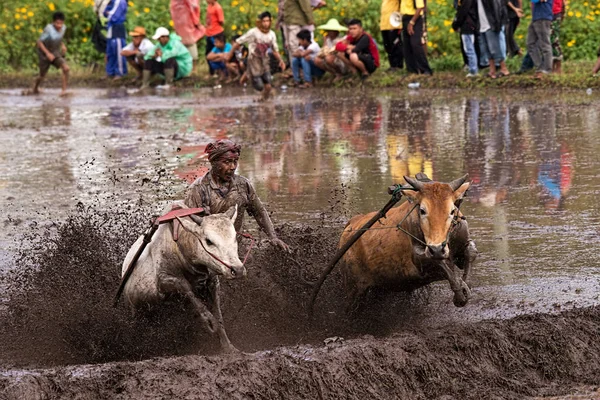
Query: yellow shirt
x,y
387,8
407,7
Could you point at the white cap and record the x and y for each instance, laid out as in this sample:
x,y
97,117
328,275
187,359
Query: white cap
x,y
160,32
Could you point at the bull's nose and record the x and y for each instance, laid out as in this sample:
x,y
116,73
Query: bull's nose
x,y
439,251
238,272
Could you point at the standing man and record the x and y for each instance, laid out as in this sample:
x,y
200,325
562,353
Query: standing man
x,y
221,188
298,15
186,22
538,37
467,23
515,13
392,36
114,12
260,40
52,51
214,25
135,51
412,33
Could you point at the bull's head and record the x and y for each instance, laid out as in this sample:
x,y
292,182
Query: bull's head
x,y
213,243
436,210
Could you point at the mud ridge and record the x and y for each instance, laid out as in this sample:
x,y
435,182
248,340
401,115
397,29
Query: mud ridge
x,y
512,359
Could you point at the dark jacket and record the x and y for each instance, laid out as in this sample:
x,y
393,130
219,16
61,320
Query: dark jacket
x,y
496,12
467,19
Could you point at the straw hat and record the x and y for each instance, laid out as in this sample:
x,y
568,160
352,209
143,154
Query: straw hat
x,y
333,25
137,31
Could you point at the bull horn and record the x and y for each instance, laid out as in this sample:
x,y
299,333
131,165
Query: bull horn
x,y
414,183
455,184
196,219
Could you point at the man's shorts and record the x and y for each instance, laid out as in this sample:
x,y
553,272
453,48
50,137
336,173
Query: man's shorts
x,y
45,64
367,60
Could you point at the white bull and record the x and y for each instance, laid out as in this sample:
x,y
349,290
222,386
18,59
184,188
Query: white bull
x,y
167,267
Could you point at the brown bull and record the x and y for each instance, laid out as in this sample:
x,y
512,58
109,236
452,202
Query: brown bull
x,y
390,258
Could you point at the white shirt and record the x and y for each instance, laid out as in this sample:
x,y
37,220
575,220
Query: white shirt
x,y
145,46
258,42
484,24
313,48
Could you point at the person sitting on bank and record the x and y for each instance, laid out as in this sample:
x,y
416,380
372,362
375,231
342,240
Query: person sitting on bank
x,y
135,51
304,57
218,61
326,59
221,188
358,50
260,39
51,51
169,57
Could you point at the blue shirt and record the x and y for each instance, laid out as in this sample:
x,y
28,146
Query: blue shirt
x,y
226,49
541,10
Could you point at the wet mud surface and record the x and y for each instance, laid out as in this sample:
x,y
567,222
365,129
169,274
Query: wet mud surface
x,y
80,180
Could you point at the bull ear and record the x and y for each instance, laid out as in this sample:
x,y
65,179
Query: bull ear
x,y
232,213
411,195
187,224
462,189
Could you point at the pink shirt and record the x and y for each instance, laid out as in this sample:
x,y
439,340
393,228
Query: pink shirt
x,y
214,19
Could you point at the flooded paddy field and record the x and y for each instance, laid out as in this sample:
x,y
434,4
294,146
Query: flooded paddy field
x,y
80,178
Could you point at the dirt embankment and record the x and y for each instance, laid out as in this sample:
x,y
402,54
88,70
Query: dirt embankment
x,y
527,356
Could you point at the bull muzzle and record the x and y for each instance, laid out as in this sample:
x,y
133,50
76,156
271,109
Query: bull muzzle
x,y
438,252
237,272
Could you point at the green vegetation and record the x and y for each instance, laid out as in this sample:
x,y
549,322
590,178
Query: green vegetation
x,y
22,22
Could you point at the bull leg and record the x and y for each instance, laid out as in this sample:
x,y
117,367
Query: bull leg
x,y
180,285
458,286
214,287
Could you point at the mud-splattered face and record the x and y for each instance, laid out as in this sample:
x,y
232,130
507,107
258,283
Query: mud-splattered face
x,y
224,168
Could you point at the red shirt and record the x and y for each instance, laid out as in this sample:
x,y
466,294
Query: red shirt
x,y
364,44
214,19
557,6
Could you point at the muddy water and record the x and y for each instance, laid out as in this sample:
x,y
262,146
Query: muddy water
x,y
532,209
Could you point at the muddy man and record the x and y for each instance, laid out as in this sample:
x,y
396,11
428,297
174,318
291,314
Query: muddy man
x,y
222,188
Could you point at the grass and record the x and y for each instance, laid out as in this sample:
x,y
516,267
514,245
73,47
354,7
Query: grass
x,y
448,74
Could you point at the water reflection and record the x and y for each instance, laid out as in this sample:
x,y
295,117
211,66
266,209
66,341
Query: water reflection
x,y
532,162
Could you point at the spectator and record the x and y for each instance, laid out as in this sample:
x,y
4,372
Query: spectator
x,y
558,13
51,51
467,23
298,15
412,34
135,51
241,59
304,58
359,50
114,12
214,25
392,36
169,57
186,22
515,13
326,59
260,39
597,66
538,37
492,46
218,60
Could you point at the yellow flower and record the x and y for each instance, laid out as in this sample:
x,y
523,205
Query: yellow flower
x,y
51,6
137,13
578,14
171,23
23,10
146,10
17,27
447,22
3,26
84,40
570,13
234,4
233,27
429,44
30,14
17,16
130,4
242,9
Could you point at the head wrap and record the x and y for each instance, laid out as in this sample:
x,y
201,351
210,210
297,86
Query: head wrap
x,y
222,148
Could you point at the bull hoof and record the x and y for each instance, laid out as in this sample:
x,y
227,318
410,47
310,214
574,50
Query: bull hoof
x,y
461,297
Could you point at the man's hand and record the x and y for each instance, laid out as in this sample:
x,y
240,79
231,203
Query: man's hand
x,y
307,57
281,244
50,57
158,53
410,29
282,66
520,13
297,53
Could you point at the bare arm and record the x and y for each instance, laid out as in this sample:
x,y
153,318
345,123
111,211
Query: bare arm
x,y
49,55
